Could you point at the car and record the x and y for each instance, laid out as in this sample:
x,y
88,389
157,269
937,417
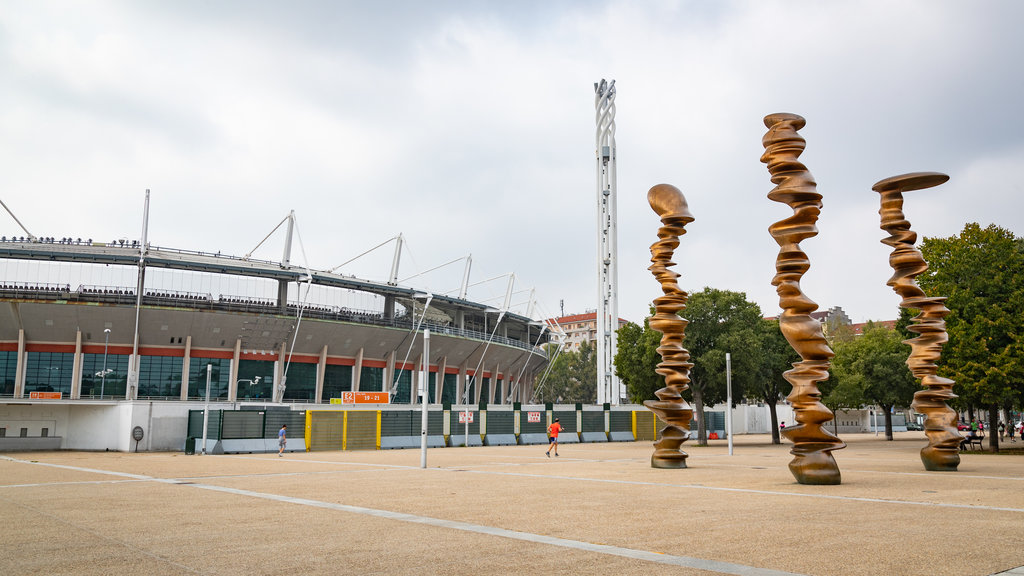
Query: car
x,y
960,426
914,426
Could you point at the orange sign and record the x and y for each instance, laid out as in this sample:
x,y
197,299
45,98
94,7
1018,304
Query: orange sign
x,y
362,398
45,395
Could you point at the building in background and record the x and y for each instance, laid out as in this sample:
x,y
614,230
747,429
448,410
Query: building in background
x,y
578,328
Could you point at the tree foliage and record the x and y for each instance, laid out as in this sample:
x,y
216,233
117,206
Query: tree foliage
x,y
720,322
776,356
981,272
572,378
873,366
636,359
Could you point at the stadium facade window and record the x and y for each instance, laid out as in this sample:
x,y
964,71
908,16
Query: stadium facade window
x,y
337,379
159,377
403,378
220,377
371,379
49,372
116,382
431,387
301,382
248,388
470,392
8,370
450,389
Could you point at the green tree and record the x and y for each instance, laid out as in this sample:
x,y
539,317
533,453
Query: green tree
x,y
776,356
636,359
875,364
981,272
572,378
720,322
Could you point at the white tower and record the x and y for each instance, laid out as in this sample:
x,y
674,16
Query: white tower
x,y
608,386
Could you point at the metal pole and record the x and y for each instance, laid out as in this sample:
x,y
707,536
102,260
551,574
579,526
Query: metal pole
x,y
133,369
609,389
103,378
874,420
728,399
425,396
206,408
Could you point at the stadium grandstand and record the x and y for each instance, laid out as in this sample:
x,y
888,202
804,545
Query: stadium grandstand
x,y
98,338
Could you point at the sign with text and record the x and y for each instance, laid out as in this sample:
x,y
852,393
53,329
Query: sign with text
x,y
533,416
362,398
465,417
45,395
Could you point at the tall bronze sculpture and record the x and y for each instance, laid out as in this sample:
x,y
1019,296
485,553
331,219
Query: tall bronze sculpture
x,y
812,444
675,366
943,450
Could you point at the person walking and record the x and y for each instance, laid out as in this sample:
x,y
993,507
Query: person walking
x,y
553,431
1011,430
282,440
1002,431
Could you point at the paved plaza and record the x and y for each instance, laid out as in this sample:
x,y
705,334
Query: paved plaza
x,y
595,509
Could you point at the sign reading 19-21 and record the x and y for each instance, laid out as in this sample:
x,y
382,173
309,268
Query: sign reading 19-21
x,y
362,398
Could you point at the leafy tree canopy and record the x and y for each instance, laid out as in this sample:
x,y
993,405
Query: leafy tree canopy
x,y
981,272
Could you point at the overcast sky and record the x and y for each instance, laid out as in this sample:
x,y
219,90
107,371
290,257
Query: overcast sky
x,y
468,127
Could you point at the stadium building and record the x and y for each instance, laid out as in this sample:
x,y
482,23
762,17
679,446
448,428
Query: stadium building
x,y
100,339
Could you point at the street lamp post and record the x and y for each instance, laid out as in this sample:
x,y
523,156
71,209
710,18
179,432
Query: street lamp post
x,y
103,379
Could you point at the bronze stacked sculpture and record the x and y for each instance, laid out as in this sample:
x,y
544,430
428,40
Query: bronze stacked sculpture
x,y
943,450
812,444
675,366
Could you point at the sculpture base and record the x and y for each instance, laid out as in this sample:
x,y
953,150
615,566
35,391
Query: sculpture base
x,y
669,461
940,460
818,468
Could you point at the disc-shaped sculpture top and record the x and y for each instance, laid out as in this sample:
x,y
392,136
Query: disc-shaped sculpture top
x,y
669,203
911,181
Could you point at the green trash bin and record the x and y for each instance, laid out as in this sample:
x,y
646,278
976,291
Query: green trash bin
x,y
190,445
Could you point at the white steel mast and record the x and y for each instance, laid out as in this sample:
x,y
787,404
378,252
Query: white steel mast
x,y
608,386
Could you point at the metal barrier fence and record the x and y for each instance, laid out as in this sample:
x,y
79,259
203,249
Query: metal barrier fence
x,y
400,428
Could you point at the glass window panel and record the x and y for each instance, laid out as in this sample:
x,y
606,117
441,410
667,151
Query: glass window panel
x,y
160,377
249,388
104,375
8,369
301,382
220,377
371,379
49,372
337,379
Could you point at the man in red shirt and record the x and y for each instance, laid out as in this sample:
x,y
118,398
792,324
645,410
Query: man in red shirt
x,y
553,431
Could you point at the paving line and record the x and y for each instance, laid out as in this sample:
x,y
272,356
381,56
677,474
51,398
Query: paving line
x,y
668,559
752,491
722,488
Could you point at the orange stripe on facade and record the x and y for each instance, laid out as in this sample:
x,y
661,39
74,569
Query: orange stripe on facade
x,y
65,348
222,354
341,361
8,346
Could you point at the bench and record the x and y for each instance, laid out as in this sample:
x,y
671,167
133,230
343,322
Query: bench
x,y
972,439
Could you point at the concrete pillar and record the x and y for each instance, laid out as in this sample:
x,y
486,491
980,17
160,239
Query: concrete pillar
x,y
76,368
233,383
186,365
389,372
357,371
442,367
279,380
19,371
321,371
414,382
